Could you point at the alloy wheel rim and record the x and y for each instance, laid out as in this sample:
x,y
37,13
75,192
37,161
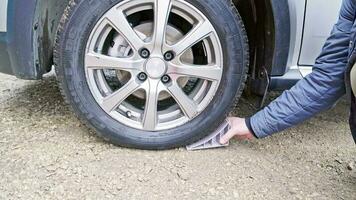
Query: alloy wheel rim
x,y
183,68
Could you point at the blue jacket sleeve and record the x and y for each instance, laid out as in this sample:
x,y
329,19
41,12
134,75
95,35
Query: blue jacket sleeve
x,y
317,92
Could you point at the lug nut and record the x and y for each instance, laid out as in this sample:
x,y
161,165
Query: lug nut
x,y
168,56
144,53
166,79
142,76
129,114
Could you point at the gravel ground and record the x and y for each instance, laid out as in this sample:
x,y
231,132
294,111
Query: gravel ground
x,y
46,153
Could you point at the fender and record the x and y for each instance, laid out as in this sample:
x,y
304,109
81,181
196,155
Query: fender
x,y
47,16
269,31
3,15
16,52
26,46
282,36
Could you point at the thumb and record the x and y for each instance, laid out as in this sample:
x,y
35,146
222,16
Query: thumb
x,y
227,137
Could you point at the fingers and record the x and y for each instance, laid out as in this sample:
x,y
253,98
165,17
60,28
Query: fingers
x,y
238,129
228,136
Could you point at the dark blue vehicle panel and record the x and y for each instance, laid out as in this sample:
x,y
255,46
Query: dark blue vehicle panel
x,y
4,59
16,45
27,47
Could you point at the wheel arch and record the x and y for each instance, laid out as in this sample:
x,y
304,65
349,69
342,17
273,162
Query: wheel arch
x,y
46,19
26,40
267,23
268,26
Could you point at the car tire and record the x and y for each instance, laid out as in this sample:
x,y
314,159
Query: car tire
x,y
75,28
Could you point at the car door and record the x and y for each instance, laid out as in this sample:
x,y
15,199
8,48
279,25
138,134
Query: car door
x,y
320,16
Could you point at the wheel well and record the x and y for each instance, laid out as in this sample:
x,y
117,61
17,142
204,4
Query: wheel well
x,y
265,40
47,16
258,17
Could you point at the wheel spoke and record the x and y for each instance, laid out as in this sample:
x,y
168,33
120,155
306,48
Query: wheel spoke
x,y
112,101
200,32
99,61
150,116
207,72
188,106
148,41
118,21
161,15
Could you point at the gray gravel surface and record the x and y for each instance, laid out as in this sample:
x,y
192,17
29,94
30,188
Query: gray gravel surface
x,y
46,153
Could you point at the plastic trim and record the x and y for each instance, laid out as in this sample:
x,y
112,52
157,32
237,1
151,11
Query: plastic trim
x,y
282,37
285,82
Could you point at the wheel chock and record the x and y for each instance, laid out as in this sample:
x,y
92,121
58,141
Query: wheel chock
x,y
213,140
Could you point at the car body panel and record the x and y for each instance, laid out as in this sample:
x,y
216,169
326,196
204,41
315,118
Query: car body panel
x,y
17,42
47,16
353,101
282,36
26,48
3,15
296,10
309,31
291,71
353,79
317,28
4,56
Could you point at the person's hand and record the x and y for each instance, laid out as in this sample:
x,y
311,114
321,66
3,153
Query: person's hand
x,y
239,130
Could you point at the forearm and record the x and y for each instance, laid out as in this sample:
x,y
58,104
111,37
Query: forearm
x,y
317,92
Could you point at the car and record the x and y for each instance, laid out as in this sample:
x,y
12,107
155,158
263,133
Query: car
x,y
160,74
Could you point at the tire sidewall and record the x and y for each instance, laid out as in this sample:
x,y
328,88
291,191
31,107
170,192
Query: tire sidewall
x,y
75,33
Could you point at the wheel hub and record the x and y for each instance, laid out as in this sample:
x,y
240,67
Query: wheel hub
x,y
122,49
154,92
155,67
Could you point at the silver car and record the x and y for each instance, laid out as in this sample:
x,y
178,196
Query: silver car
x,y
158,74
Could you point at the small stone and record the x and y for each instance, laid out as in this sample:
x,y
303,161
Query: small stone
x,y
338,161
140,179
350,166
329,167
183,176
119,188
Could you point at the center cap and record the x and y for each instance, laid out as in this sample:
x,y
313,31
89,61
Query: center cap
x,y
155,67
